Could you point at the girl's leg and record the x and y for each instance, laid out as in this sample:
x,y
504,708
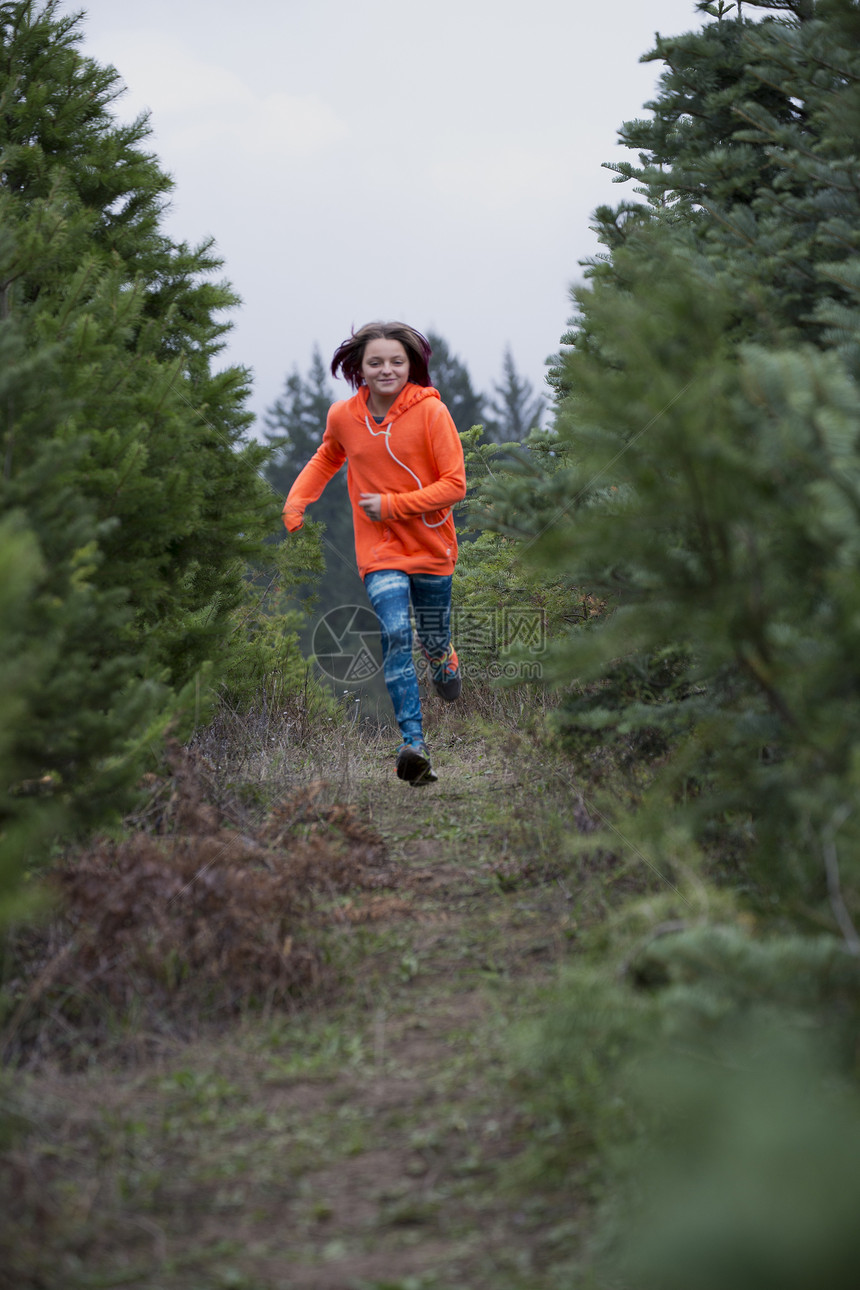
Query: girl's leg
x,y
431,600
388,590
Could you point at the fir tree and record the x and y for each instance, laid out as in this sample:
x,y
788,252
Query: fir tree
x,y
29,813
705,432
295,423
751,154
122,446
518,410
451,378
709,495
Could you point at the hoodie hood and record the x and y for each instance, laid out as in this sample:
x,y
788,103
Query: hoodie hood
x,y
407,398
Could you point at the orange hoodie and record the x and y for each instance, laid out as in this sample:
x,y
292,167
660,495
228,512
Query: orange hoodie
x,y
414,459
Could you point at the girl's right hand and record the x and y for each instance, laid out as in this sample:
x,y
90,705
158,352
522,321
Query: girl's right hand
x,y
371,504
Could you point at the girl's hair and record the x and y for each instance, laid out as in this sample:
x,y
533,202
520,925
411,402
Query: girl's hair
x,y
348,355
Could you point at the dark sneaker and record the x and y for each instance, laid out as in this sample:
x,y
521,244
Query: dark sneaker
x,y
445,674
413,764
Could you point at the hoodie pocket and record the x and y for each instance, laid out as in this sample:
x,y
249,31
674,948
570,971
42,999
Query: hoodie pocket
x,y
383,544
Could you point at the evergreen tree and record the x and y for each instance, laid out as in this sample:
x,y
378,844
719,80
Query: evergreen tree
x,y
709,494
28,815
451,378
518,410
749,155
122,447
295,423
697,458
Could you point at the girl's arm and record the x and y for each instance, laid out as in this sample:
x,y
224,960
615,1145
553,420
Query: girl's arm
x,y
326,461
448,487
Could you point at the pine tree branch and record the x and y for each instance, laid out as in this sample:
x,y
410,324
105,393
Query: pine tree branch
x,y
753,668
5,309
834,886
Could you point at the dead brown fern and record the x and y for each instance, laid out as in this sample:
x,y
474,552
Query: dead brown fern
x,y
188,921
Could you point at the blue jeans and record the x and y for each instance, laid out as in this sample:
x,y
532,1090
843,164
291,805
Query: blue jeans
x,y
391,592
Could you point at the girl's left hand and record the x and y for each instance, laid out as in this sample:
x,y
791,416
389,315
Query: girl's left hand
x,y
371,504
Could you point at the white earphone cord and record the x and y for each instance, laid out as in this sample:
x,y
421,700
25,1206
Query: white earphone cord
x,y
386,431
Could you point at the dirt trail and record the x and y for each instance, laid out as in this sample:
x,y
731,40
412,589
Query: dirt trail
x,y
370,1142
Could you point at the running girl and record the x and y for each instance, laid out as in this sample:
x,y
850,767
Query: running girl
x,y
405,471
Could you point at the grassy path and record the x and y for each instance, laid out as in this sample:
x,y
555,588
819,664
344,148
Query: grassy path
x,y
371,1141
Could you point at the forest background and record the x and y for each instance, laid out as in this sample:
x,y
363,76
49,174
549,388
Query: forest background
x,y
688,525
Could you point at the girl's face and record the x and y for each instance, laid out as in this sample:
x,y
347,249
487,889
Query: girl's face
x,y
385,368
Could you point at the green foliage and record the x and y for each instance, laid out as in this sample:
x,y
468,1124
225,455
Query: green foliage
x,y
26,819
752,1216
732,533
265,663
123,449
708,489
494,580
707,494
680,1087
751,152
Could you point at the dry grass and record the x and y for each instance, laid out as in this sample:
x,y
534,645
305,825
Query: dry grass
x,y
187,919
350,1128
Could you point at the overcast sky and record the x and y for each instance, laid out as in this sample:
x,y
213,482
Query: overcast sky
x,y
357,159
